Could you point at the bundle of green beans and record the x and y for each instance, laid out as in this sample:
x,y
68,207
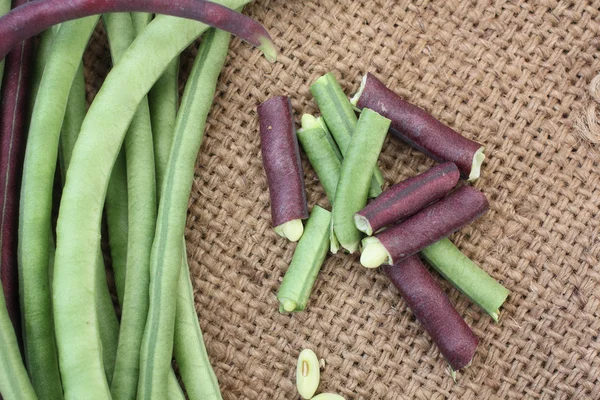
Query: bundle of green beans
x,y
131,155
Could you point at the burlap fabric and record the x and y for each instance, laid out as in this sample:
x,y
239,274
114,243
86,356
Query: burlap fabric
x,y
512,75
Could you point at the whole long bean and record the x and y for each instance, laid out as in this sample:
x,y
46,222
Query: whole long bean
x,y
36,16
14,382
108,323
13,122
104,128
166,250
188,345
141,189
36,199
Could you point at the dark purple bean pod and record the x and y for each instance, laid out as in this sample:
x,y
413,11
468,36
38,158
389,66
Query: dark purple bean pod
x,y
426,227
281,160
432,308
13,120
36,16
407,198
420,129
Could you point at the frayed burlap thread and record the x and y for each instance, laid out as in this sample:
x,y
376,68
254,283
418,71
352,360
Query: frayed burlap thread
x,y
511,75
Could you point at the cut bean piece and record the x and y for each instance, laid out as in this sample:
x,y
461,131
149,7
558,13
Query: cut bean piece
x,y
406,198
281,160
36,16
341,119
355,176
466,276
433,310
306,263
428,226
322,153
420,129
308,373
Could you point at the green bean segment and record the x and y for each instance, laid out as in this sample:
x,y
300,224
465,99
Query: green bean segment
x,y
14,382
36,199
466,276
308,258
319,147
357,168
42,52
166,254
340,119
80,215
4,8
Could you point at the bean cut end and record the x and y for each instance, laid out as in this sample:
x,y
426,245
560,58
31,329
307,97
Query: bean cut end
x,y
291,230
374,254
478,159
361,89
362,224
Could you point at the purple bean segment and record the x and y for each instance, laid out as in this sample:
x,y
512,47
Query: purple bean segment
x,y
429,225
433,310
420,129
407,198
281,160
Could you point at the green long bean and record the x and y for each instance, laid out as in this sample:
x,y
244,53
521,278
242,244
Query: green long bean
x,y
36,199
14,382
80,215
141,189
355,176
109,324
166,250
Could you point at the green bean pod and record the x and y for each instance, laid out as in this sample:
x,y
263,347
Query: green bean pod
x,y
4,8
322,152
306,263
42,51
140,20
80,214
466,276
341,119
109,324
357,168
166,256
36,199
14,382
141,188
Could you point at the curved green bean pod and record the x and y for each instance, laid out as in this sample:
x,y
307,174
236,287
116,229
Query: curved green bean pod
x,y
78,226
36,198
42,51
166,250
14,382
141,188
109,324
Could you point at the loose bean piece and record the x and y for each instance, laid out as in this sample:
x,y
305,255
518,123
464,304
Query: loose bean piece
x,y
13,122
357,168
406,198
308,258
141,214
341,119
466,276
36,198
34,17
157,345
428,226
322,152
433,310
104,128
14,382
308,374
282,164
420,129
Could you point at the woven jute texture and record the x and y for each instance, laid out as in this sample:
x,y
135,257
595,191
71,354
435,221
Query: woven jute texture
x,y
512,75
